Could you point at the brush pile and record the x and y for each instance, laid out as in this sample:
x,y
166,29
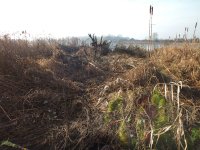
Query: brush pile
x,y
43,103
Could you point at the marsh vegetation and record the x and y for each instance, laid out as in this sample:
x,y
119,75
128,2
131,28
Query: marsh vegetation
x,y
54,97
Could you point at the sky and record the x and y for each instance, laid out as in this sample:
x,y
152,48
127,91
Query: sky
x,y
63,18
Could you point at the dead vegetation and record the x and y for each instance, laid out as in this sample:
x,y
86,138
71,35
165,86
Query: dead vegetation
x,y
131,50
55,99
40,93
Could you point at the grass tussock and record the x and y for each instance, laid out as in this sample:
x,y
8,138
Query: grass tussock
x,y
180,63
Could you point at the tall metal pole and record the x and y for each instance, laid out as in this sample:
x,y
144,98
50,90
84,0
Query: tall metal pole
x,y
150,29
149,34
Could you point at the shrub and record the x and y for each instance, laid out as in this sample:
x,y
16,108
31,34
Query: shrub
x,y
131,50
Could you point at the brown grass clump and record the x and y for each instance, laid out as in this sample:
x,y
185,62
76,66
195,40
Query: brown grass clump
x,y
146,75
180,63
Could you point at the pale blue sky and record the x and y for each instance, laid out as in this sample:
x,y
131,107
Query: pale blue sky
x,y
62,18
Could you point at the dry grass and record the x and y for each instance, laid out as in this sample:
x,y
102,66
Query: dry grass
x,y
52,99
150,127
40,94
180,62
